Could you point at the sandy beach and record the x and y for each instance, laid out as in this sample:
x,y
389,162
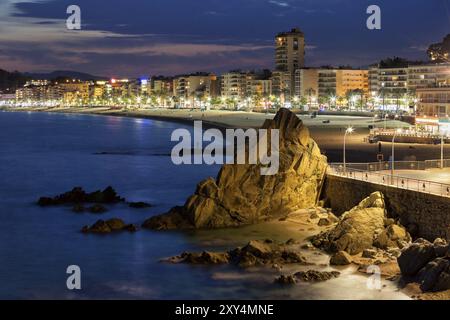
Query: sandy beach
x,y
329,136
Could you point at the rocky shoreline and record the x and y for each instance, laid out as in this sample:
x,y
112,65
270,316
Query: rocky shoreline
x,y
365,236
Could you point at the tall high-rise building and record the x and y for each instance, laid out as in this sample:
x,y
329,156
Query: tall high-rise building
x,y
290,54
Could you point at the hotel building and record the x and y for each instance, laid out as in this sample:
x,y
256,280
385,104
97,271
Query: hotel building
x,y
338,82
433,108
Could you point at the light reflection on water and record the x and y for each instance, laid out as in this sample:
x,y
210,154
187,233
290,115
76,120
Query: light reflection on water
x,y
46,154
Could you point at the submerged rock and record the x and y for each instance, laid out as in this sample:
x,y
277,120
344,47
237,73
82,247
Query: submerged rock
x,y
78,208
97,208
255,253
77,196
282,279
201,258
241,195
109,226
139,205
314,275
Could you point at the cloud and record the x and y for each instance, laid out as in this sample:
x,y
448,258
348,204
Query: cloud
x,y
279,3
419,48
172,49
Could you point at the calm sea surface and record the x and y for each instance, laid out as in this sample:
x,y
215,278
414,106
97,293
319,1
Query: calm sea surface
x,y
44,154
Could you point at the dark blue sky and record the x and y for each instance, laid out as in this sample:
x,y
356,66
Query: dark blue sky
x,y
147,37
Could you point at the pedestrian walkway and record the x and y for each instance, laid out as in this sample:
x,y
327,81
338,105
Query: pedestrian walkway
x,y
383,177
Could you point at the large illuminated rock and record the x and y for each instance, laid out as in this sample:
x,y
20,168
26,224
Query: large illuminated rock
x,y
242,195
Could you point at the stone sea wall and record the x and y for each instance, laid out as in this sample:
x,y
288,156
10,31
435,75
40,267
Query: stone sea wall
x,y
425,215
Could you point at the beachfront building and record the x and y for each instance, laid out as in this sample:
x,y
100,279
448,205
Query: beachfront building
x,y
98,90
433,108
162,86
336,85
395,88
258,87
193,91
33,91
420,76
234,85
281,86
7,99
306,82
74,92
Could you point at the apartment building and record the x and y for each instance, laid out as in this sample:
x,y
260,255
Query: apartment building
x,y
260,88
431,75
162,86
289,56
74,91
307,83
190,88
234,85
338,82
434,102
396,87
393,82
33,90
282,84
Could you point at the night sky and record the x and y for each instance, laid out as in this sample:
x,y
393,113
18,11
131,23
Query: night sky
x,y
148,37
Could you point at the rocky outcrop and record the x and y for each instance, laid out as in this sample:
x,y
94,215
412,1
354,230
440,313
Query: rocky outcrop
x,y
77,196
427,264
255,253
363,227
109,226
241,195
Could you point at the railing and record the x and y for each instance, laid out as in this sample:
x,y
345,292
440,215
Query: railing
x,y
398,165
405,133
424,186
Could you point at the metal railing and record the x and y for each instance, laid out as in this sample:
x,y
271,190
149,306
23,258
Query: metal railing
x,y
399,165
386,179
406,133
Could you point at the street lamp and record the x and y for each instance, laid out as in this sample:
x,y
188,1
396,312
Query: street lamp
x,y
442,150
393,155
349,130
